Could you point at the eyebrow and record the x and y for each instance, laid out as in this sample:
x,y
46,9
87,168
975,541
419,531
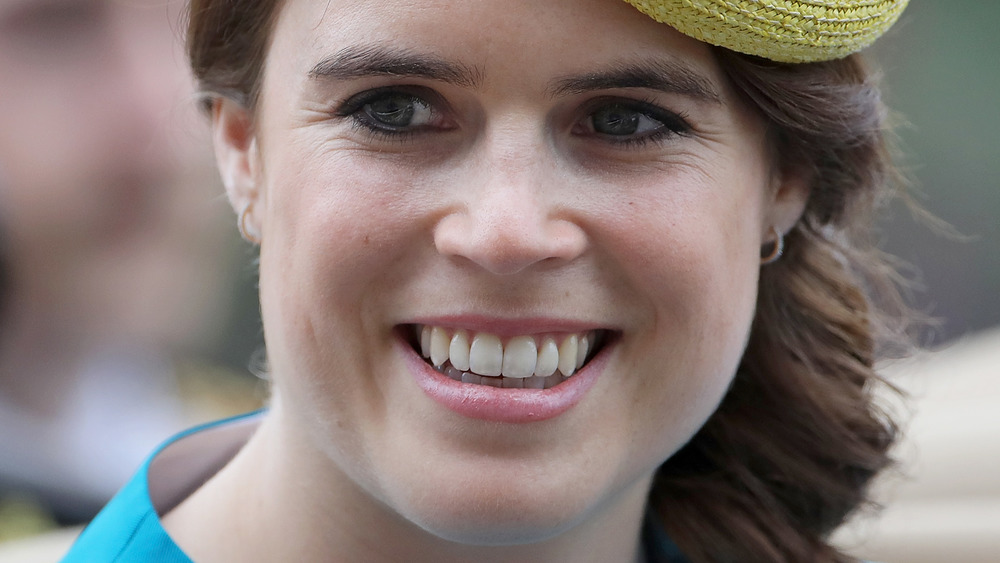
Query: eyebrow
x,y
377,60
668,76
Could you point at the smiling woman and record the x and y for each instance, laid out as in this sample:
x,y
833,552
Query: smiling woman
x,y
539,283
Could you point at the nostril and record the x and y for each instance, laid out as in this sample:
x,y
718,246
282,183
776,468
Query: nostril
x,y
568,239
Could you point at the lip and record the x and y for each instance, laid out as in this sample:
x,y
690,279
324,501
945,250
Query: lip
x,y
506,328
497,404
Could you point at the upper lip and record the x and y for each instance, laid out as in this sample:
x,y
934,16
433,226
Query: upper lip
x,y
508,327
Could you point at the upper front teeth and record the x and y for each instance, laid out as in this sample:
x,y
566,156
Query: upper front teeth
x,y
485,354
458,350
522,356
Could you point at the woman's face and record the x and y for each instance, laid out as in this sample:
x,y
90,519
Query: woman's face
x,y
516,172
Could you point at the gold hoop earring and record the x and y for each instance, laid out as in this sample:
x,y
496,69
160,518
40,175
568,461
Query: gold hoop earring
x,y
777,249
244,232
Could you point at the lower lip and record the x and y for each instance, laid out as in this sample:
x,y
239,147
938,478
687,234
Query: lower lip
x,y
503,405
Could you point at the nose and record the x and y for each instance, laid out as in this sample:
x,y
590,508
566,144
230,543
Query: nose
x,y
511,219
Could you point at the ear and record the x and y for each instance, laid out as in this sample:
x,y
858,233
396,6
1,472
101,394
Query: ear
x,y
789,197
238,160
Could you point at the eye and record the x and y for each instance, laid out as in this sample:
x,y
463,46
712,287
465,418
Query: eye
x,y
395,111
621,120
398,111
630,121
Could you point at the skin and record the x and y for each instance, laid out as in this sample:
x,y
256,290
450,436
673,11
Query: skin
x,y
507,205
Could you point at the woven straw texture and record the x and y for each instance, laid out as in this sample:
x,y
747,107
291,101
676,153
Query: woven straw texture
x,y
791,31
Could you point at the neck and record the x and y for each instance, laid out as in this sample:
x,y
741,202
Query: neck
x,y
279,509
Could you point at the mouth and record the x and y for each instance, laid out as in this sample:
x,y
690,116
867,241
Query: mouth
x,y
528,361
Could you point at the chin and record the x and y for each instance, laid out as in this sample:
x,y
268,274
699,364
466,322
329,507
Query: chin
x,y
497,511
498,523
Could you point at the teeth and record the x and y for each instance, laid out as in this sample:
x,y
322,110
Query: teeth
x,y
425,341
439,346
512,382
548,358
458,350
486,358
567,355
486,355
492,381
468,377
553,380
536,382
519,357
453,373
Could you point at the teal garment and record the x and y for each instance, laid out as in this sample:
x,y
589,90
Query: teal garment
x,y
128,529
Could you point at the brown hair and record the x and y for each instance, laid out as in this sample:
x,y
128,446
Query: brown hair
x,y
226,44
791,449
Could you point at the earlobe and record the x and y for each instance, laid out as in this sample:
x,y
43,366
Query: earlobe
x,y
236,156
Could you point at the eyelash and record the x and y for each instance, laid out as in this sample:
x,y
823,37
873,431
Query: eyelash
x,y
671,123
382,135
353,109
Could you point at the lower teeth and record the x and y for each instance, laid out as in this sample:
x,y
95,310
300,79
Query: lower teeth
x,y
533,382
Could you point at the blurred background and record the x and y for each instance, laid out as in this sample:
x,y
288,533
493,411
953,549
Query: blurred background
x,y
123,281
941,66
124,287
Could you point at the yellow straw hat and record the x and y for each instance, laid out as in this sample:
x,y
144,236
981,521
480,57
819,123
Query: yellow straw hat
x,y
790,31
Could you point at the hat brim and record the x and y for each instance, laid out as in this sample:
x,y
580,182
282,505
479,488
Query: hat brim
x,y
791,31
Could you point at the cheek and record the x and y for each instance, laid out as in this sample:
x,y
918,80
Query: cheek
x,y
692,253
692,261
346,234
338,224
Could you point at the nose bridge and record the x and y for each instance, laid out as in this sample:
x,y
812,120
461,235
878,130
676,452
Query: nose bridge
x,y
511,217
512,183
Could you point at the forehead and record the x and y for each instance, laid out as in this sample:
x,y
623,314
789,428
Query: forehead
x,y
571,34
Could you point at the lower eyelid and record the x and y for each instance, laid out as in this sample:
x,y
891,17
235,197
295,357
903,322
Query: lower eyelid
x,y
381,135
658,136
376,133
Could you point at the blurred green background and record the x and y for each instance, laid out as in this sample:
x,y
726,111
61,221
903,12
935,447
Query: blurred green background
x,y
941,66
